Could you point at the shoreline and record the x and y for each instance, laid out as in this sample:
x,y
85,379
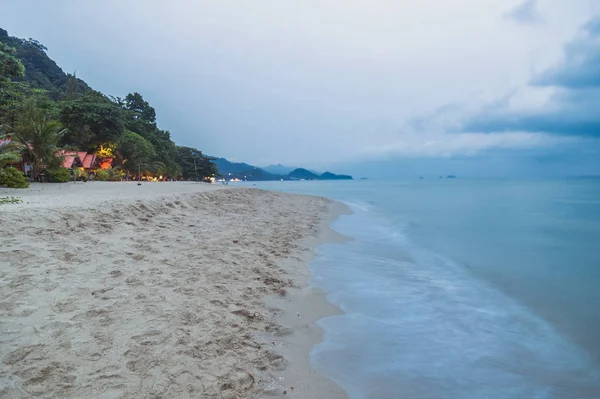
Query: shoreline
x,y
105,292
299,312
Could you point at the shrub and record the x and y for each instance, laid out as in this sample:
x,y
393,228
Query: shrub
x,y
13,178
116,174
58,175
79,175
102,175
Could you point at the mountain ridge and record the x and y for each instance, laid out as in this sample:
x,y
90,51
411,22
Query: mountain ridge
x,y
244,171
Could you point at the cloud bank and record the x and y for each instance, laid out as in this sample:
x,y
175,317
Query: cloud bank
x,y
572,107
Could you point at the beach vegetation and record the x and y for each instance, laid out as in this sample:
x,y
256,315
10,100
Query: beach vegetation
x,y
116,174
10,153
10,150
59,175
12,177
78,174
102,175
10,200
42,135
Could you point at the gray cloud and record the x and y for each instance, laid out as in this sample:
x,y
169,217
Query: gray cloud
x,y
573,107
581,65
524,13
555,123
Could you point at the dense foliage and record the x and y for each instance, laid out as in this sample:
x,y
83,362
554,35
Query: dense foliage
x,y
49,110
10,151
91,119
12,178
58,175
41,72
136,151
194,164
36,127
102,175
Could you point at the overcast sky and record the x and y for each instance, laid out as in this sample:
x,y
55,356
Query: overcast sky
x,y
471,85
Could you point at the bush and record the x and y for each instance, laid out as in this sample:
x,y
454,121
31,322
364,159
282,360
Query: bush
x,y
79,175
58,175
102,175
13,178
116,174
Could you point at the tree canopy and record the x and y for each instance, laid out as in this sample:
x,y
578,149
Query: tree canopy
x,y
137,152
195,164
91,119
10,66
36,127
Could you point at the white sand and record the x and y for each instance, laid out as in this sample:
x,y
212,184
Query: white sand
x,y
114,290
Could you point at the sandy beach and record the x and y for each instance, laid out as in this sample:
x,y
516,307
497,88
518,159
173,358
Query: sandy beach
x,y
165,290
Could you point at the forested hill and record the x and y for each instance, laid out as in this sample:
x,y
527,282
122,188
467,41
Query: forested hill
x,y
41,103
41,72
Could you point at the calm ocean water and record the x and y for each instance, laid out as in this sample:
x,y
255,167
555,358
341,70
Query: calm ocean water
x,y
470,289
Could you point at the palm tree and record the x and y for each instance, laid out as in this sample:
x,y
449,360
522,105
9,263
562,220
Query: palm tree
x,y
41,135
10,150
42,138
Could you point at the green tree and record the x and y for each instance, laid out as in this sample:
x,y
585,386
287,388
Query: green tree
x,y
140,117
10,150
165,151
136,152
192,160
16,94
42,136
10,65
91,119
72,88
13,178
139,108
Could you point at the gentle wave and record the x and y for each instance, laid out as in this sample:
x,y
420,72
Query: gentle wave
x,y
420,325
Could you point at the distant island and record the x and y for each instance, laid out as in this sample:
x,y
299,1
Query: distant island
x,y
246,172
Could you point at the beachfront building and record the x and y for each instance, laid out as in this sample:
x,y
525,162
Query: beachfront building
x,y
78,159
87,163
83,160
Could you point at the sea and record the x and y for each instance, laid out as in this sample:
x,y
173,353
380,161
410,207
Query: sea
x,y
461,288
